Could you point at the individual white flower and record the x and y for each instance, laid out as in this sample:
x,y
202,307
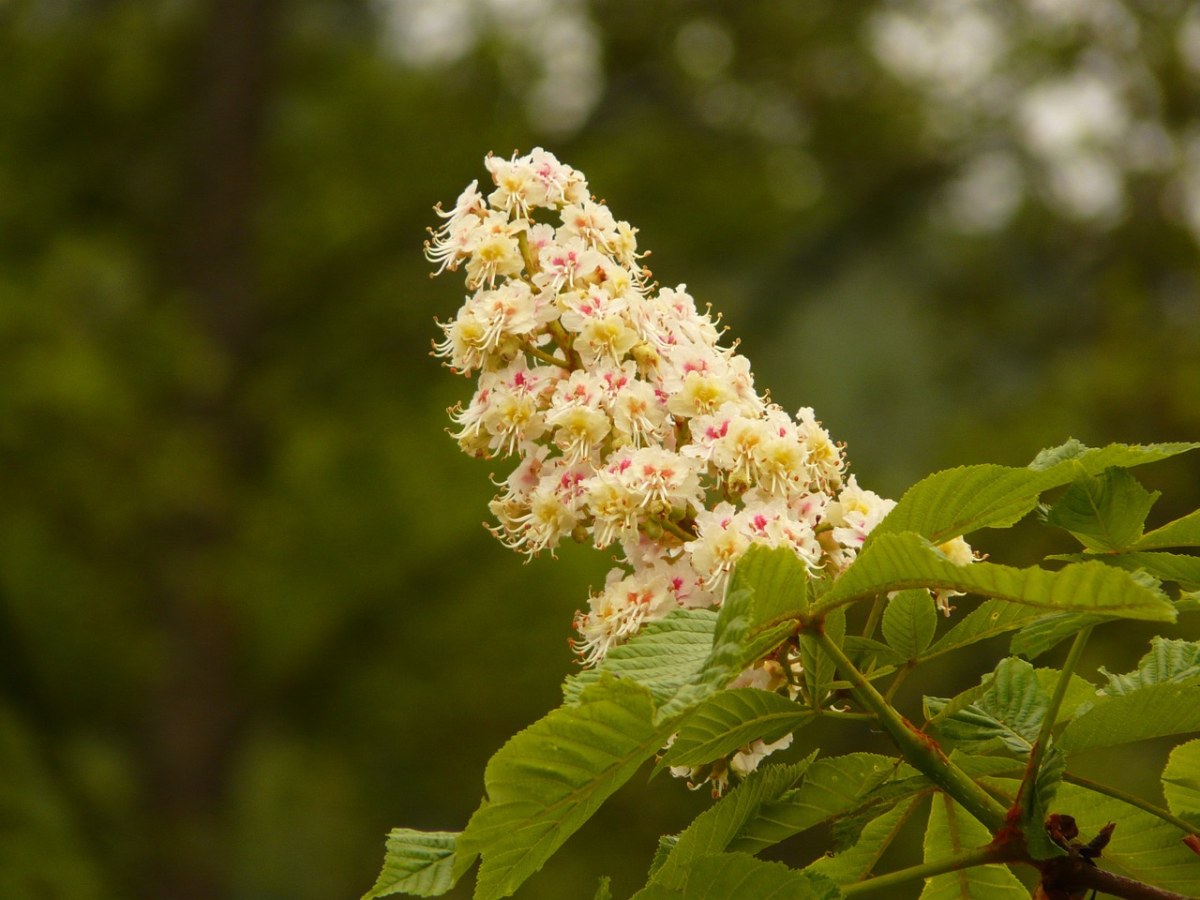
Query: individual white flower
x,y
855,513
747,759
592,222
959,552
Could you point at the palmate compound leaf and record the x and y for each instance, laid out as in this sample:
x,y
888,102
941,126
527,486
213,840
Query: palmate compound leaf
x,y
1105,512
951,831
895,562
549,779
958,501
1143,846
1181,781
1153,711
417,863
731,719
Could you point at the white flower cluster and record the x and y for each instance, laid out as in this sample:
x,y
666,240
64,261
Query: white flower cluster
x,y
632,425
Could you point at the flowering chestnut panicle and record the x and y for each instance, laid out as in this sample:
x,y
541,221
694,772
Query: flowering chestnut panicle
x,y
740,540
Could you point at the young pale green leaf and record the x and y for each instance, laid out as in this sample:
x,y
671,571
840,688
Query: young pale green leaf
x,y
958,501
777,581
951,831
1168,662
732,719
714,830
1183,532
856,862
417,863
987,620
1106,512
819,668
910,622
1048,632
1010,710
1143,846
831,787
1181,781
1188,602
664,657
900,561
550,778
1150,712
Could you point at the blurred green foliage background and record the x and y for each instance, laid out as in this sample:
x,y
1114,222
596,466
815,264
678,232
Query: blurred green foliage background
x,y
248,618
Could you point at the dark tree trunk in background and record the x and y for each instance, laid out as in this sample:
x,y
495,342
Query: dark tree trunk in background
x,y
193,723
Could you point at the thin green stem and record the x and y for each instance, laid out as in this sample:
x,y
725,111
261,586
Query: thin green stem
x,y
1132,800
1060,692
917,748
896,682
547,357
980,856
873,617
679,532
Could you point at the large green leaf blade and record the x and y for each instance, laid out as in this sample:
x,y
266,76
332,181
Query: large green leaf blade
x,y
952,830
714,830
1183,532
1011,710
1106,512
1181,781
417,863
1150,712
901,561
958,501
777,581
987,620
738,875
550,778
730,720
857,862
831,787
664,656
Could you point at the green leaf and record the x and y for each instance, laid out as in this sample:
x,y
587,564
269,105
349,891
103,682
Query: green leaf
x,y
1168,662
1080,695
1143,846
1183,532
731,719
900,561
819,667
604,889
418,863
958,501
1010,710
867,654
909,622
714,830
550,778
1048,632
1179,568
664,656
856,863
1150,712
1105,511
831,787
987,620
739,875
777,581
951,831
904,784
1181,781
